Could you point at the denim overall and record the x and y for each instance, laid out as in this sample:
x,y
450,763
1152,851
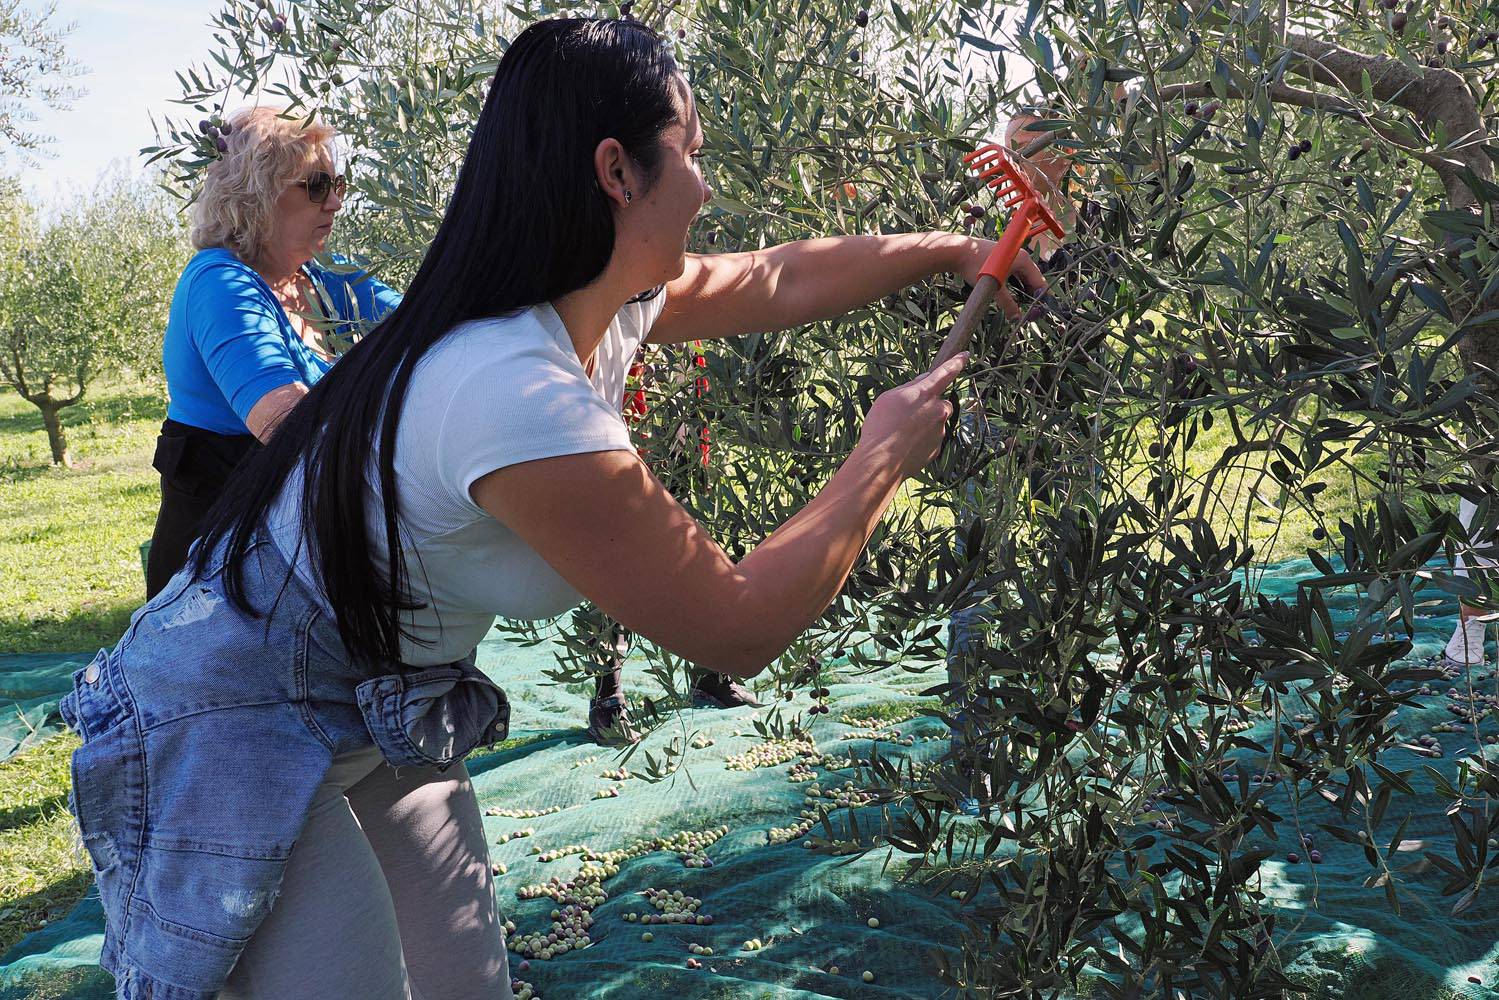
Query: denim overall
x,y
205,734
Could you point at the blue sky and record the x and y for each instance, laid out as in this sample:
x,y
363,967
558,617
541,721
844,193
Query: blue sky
x,y
132,49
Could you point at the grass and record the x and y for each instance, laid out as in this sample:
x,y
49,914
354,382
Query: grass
x,y
42,873
1279,528
74,535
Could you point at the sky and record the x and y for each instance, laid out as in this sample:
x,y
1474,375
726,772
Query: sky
x,y
132,49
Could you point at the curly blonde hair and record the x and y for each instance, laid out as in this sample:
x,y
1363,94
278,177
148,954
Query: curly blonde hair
x,y
267,150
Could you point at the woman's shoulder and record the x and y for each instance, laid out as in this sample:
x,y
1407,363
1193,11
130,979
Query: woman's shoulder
x,y
215,258
218,270
216,283
497,391
498,340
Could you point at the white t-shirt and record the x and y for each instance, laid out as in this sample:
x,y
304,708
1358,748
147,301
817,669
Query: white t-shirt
x,y
492,393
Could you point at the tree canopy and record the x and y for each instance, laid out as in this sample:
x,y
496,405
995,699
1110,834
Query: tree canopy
x,y
84,294
35,69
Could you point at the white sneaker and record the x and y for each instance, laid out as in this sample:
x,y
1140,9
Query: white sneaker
x,y
1465,648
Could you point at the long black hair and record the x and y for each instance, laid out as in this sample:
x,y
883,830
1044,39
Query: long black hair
x,y
527,223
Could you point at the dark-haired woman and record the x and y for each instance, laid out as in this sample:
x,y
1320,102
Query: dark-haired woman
x,y
270,783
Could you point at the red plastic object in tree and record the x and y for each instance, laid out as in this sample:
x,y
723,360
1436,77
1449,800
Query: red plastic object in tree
x,y
1029,217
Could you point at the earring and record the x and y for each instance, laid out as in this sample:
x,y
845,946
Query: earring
x,y
627,196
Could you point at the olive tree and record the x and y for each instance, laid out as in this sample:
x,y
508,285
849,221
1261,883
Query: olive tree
x,y
34,69
1294,233
1272,330
84,295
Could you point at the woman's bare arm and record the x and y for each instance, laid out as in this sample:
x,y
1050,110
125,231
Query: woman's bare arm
x,y
269,410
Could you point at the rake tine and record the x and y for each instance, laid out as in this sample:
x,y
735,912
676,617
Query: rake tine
x,y
1030,216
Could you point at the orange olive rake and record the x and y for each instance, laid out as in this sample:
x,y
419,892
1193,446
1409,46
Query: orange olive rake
x,y
1029,216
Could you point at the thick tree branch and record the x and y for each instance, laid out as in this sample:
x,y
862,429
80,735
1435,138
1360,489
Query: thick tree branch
x,y
18,379
1318,101
1328,63
70,400
1432,94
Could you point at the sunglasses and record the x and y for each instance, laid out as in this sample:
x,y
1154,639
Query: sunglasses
x,y
321,184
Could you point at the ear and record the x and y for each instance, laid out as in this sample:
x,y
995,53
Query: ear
x,y
615,171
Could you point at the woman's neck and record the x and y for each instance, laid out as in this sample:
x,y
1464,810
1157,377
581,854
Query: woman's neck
x,y
587,313
277,272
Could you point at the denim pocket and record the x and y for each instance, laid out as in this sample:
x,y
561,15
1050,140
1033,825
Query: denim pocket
x,y
107,800
434,716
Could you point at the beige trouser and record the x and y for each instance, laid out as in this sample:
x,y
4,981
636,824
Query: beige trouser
x,y
387,895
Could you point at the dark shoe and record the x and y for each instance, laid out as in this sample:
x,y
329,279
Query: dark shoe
x,y
609,722
711,690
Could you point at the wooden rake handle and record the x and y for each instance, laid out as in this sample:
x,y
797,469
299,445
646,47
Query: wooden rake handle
x,y
995,270
962,331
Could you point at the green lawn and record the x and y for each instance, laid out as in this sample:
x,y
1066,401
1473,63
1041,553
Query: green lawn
x,y
73,536
42,872
70,540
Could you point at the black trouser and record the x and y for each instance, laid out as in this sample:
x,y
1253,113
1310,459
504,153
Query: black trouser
x,y
194,464
612,648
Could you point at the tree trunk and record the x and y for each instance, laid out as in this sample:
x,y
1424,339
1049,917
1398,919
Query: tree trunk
x,y
55,436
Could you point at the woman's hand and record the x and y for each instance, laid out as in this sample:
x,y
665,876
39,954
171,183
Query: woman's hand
x,y
906,424
972,258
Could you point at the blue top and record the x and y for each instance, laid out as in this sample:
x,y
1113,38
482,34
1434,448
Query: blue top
x,y
229,341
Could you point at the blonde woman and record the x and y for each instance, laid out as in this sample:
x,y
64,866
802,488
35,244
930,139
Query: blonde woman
x,y
240,347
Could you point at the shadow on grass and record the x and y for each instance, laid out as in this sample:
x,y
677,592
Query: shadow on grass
x,y
17,816
144,403
14,472
150,489
83,630
51,903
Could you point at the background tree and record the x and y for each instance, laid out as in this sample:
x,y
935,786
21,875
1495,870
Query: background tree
x,y
34,69
1252,353
85,295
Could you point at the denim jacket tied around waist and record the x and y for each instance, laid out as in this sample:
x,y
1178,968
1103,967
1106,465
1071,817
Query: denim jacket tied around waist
x,y
206,732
